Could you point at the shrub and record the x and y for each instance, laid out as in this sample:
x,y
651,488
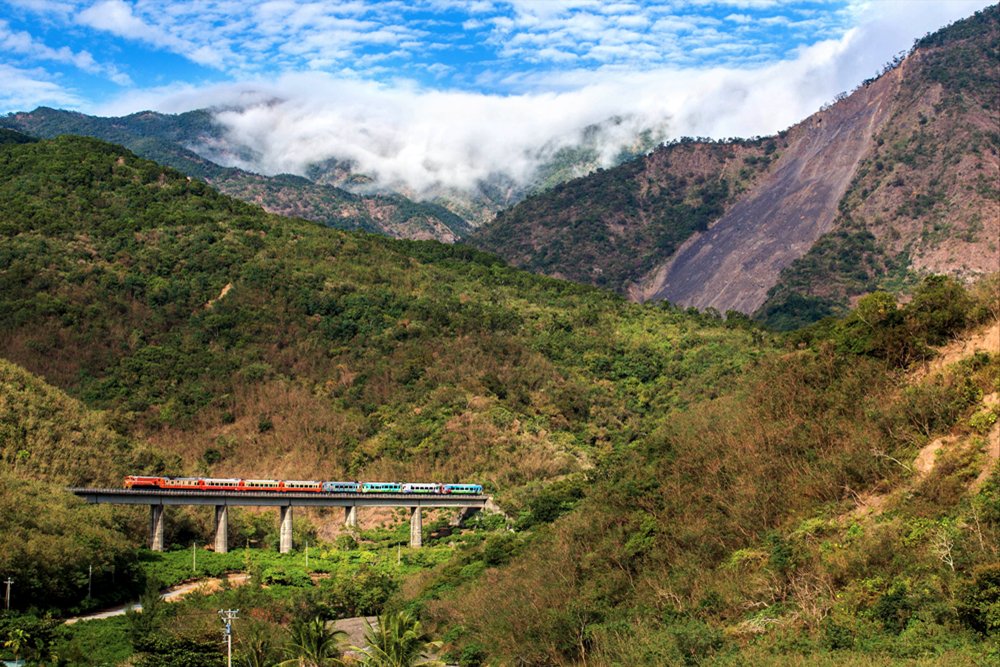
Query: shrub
x,y
893,609
696,640
500,548
978,600
282,576
473,655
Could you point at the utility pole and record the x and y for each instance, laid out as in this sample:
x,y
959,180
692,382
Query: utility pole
x,y
8,582
307,555
90,580
228,616
194,558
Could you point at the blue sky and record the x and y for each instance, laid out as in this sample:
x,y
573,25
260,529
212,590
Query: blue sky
x,y
402,69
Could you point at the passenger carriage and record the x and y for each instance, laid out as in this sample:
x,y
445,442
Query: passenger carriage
x,y
421,488
470,489
261,485
341,487
293,486
381,487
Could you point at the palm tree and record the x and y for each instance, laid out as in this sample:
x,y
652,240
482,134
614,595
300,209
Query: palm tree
x,y
18,640
398,641
313,644
257,646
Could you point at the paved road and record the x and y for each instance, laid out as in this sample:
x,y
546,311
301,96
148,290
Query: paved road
x,y
172,593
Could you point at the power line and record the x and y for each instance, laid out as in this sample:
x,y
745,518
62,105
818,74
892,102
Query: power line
x,y
228,616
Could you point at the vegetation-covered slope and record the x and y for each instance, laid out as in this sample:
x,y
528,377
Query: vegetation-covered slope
x,y
172,140
44,434
48,539
613,226
926,197
684,490
237,342
782,523
133,288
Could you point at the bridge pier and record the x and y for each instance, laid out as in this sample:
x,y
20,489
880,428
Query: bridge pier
x,y
221,529
286,529
416,528
462,515
220,500
156,527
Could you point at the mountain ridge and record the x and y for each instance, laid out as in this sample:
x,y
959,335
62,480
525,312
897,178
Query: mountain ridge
x,y
167,139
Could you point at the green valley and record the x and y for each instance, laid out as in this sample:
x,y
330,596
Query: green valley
x,y
681,489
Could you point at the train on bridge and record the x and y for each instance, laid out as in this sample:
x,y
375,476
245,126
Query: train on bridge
x,y
293,486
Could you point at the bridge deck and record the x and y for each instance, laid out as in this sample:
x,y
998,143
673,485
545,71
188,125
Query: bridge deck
x,y
276,499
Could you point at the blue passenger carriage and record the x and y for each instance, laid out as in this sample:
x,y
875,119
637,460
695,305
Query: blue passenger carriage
x,y
341,487
381,487
470,489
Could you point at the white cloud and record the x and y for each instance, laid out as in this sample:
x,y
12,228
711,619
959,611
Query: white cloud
x,y
439,69
556,55
589,62
29,88
23,44
117,17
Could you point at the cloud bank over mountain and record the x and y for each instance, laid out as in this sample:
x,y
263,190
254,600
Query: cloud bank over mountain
x,y
427,94
425,139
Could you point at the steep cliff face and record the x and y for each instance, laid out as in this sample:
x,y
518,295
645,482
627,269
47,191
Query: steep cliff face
x,y
926,195
735,262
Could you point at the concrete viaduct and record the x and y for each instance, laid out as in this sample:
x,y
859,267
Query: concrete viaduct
x,y
222,500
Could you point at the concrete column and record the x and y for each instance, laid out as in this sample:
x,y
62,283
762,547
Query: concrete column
x,y
351,516
416,528
286,529
221,529
156,527
463,514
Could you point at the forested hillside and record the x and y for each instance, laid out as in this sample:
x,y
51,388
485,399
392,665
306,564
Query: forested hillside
x,y
233,342
197,316
172,140
611,227
682,489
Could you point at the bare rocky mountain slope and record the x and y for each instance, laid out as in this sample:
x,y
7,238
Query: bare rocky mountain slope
x,y
899,179
926,195
733,264
608,228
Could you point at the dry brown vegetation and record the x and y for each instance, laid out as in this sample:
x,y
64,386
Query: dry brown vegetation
x,y
783,510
